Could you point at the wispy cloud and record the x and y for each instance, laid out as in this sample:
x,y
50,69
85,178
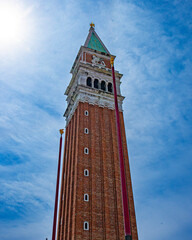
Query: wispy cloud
x,y
152,42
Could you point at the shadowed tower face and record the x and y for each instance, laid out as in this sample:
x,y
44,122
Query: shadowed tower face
x,y
90,196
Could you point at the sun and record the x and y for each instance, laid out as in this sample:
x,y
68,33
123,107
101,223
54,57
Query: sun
x,y
12,24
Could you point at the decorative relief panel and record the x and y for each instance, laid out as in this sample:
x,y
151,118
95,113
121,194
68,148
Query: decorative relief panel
x,y
98,61
92,99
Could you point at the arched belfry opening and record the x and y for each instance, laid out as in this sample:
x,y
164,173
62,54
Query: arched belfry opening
x,y
96,83
103,85
110,87
89,82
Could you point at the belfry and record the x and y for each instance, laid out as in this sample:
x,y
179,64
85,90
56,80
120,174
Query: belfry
x,y
91,206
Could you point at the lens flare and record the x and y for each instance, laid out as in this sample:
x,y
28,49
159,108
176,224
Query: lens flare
x,y
12,24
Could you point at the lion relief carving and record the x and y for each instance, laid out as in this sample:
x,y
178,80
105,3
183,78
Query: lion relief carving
x,y
98,61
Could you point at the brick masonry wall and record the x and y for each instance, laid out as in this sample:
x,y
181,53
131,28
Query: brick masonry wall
x,y
103,211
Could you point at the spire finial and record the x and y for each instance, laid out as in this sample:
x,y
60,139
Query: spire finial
x,y
92,25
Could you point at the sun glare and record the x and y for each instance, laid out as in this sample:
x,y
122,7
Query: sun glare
x,y
12,24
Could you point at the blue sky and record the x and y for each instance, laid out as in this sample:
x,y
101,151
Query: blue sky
x,y
152,42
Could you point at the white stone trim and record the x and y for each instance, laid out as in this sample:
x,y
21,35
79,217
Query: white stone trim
x,y
93,99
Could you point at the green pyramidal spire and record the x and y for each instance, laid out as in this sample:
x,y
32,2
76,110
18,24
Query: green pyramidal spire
x,y
94,42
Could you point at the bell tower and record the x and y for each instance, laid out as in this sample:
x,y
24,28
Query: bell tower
x,y
90,195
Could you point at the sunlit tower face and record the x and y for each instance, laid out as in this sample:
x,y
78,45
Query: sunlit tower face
x,y
12,24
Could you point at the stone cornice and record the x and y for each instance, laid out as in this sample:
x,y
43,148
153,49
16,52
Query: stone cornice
x,y
97,97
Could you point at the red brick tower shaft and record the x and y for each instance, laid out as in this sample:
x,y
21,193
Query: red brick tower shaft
x,y
90,197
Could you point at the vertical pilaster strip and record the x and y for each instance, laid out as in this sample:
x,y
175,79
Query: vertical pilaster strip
x,y
101,125
109,181
86,164
90,109
64,181
71,185
79,214
75,176
67,181
111,157
97,201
